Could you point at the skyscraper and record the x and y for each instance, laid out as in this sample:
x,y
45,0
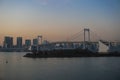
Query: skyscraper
x,y
35,41
27,42
19,42
8,42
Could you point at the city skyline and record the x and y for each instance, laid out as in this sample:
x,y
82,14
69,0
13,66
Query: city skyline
x,y
58,19
19,41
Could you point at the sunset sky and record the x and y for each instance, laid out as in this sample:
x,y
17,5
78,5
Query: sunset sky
x,y
56,20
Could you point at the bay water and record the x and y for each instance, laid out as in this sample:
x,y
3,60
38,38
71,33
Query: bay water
x,y
13,66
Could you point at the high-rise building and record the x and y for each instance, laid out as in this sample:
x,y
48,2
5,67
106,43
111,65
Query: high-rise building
x,y
19,42
35,41
8,42
27,42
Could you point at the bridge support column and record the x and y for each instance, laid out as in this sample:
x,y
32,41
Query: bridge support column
x,y
86,37
88,34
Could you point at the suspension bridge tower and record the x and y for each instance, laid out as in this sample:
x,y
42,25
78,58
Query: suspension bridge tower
x,y
86,35
86,38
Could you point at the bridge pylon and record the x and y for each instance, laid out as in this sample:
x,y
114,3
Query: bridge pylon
x,y
86,35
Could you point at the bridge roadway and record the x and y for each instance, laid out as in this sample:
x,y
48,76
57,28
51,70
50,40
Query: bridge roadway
x,y
73,42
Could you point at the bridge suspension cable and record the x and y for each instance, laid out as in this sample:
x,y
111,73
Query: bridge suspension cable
x,y
74,36
81,35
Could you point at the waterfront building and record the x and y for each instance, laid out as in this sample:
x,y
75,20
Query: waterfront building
x,y
35,41
19,42
40,39
28,43
103,47
106,47
8,42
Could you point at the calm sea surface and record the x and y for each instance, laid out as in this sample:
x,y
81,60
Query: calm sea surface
x,y
13,66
